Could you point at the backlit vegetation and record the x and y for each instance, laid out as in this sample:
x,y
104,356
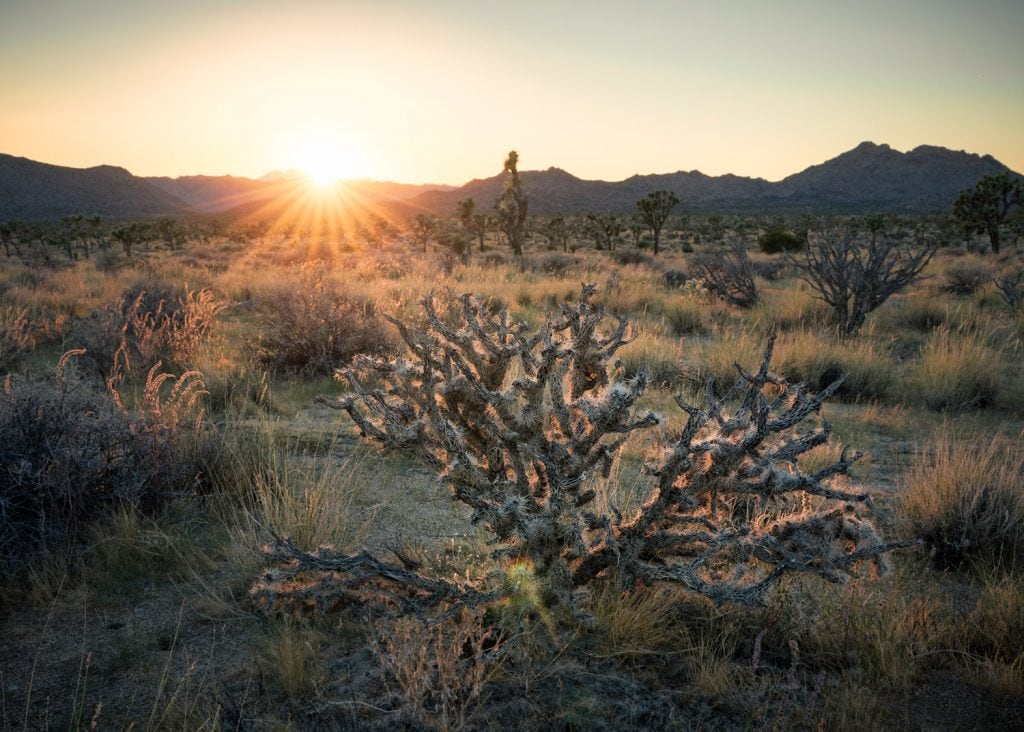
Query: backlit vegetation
x,y
640,528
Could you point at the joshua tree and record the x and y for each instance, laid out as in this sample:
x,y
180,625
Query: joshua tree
x,y
854,276
423,227
475,223
605,228
519,423
982,209
556,231
511,206
9,237
653,210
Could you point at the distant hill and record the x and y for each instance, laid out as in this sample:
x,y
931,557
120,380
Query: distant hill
x,y
869,177
33,191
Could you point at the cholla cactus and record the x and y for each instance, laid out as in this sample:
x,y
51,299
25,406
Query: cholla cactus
x,y
517,421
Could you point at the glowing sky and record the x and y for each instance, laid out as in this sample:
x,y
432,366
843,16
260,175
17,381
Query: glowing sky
x,y
440,91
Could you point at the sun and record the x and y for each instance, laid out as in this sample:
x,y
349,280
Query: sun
x,y
327,160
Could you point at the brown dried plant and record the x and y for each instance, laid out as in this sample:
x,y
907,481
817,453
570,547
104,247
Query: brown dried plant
x,y
517,422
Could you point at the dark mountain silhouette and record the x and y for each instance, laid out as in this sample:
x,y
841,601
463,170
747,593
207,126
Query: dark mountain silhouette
x,y
32,191
869,177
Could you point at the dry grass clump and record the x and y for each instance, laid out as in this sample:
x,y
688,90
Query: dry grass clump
x,y
15,336
963,498
717,359
818,360
957,371
657,357
441,670
789,309
311,327
684,314
289,655
70,453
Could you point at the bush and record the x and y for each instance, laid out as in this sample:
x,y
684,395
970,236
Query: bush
x,y
729,276
70,453
314,329
964,500
817,361
630,256
966,279
779,239
147,326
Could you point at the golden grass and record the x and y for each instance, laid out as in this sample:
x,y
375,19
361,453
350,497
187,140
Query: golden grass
x,y
964,499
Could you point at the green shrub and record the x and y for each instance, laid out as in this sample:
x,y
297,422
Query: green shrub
x,y
779,239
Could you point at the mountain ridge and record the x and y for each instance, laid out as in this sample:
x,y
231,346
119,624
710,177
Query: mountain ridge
x,y
869,177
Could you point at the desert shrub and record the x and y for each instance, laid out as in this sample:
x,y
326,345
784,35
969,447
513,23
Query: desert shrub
x,y
966,279
656,358
922,313
855,274
630,256
818,361
770,271
440,669
778,239
957,371
69,453
963,498
147,326
684,315
729,276
558,265
675,279
313,328
1011,289
516,419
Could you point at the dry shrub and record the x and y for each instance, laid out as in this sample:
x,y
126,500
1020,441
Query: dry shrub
x,y
147,326
966,278
630,256
70,453
440,669
312,328
964,499
957,371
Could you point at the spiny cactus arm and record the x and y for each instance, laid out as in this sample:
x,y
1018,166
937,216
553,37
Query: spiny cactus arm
x,y
358,575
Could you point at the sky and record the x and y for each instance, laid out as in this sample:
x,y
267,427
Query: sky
x,y
421,91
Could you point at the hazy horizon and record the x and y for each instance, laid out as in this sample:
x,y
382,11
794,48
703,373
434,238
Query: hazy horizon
x,y
457,184
396,91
